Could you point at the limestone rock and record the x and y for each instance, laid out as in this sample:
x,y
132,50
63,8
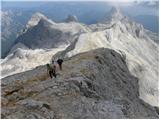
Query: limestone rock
x,y
95,84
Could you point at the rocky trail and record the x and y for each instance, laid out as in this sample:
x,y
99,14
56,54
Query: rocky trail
x,y
95,84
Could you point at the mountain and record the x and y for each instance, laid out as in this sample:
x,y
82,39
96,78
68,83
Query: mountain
x,y
150,22
48,34
27,59
38,42
71,18
12,22
118,33
115,14
35,19
131,40
18,15
9,28
96,84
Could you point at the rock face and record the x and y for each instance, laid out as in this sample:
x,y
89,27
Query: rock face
x,y
42,32
95,84
126,37
35,19
10,26
115,14
71,18
39,41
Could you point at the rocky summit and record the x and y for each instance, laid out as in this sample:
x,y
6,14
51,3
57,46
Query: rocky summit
x,y
94,84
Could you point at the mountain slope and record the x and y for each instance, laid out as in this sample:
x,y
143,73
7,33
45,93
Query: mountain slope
x,y
119,33
47,34
38,42
10,26
27,59
130,39
150,22
35,19
96,84
71,18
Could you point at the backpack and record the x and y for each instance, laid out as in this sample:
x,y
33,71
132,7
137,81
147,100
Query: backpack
x,y
49,67
59,61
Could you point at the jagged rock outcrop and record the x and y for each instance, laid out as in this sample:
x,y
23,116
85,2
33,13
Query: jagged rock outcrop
x,y
10,26
71,18
114,14
35,19
95,84
44,33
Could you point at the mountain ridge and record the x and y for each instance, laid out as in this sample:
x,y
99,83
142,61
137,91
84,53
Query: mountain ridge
x,y
125,37
85,91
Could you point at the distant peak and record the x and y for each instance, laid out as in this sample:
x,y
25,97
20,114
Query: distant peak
x,y
45,22
113,15
115,10
116,13
71,18
35,19
38,14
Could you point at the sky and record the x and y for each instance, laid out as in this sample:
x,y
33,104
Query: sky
x,y
126,1
113,2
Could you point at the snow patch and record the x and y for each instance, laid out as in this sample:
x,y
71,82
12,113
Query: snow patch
x,y
22,60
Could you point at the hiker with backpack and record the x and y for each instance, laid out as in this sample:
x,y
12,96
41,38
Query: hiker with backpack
x,y
51,70
60,61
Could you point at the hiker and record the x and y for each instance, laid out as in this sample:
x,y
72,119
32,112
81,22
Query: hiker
x,y
60,61
54,64
51,70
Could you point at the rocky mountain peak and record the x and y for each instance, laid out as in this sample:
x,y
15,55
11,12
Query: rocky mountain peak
x,y
71,18
45,22
115,13
116,19
35,19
